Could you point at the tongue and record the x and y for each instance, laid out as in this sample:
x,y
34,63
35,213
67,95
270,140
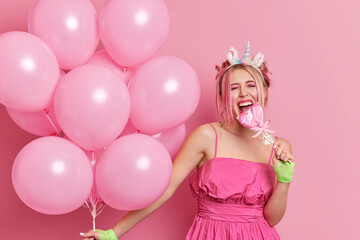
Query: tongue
x,y
244,109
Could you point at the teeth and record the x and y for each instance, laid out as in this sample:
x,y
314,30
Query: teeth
x,y
245,104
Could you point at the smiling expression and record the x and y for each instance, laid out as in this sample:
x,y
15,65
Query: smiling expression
x,y
243,91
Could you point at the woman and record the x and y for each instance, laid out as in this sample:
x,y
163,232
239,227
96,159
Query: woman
x,y
235,184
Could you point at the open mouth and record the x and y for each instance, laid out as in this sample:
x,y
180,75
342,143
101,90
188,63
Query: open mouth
x,y
245,106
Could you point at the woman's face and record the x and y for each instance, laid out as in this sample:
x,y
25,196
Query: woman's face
x,y
243,91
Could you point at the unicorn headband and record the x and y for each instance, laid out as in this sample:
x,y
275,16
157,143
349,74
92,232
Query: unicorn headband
x,y
233,58
256,62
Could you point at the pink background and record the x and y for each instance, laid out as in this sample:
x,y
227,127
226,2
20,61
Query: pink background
x,y
312,48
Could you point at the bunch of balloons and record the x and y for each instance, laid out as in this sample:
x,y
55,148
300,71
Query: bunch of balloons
x,y
121,106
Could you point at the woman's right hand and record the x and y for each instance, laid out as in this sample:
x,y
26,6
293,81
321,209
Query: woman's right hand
x,y
99,235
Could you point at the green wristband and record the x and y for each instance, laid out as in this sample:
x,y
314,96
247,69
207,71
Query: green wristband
x,y
107,235
284,171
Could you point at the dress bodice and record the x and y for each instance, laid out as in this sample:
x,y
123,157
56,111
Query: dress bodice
x,y
231,180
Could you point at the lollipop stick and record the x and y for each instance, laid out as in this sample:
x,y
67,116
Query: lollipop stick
x,y
267,138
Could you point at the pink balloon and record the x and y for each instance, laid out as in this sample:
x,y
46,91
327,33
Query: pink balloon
x,y
92,106
164,92
36,123
132,31
42,123
29,72
133,172
52,176
172,139
102,58
69,27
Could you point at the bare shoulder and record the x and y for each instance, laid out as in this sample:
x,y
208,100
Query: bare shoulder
x,y
196,146
284,142
204,133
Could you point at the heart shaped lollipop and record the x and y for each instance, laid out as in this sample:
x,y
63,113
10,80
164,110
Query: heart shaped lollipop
x,y
254,119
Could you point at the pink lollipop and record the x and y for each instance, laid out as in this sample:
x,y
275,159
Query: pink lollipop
x,y
254,119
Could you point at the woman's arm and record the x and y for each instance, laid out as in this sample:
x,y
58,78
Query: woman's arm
x,y
190,154
276,206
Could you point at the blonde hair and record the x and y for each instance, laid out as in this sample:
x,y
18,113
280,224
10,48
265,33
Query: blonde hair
x,y
223,99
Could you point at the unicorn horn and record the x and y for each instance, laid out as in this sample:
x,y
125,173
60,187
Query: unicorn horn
x,y
246,55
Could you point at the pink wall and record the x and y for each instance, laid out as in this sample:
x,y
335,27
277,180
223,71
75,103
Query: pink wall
x,y
311,47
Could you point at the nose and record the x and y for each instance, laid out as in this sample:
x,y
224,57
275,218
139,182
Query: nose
x,y
242,92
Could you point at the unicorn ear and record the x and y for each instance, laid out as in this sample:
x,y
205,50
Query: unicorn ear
x,y
246,55
232,56
258,59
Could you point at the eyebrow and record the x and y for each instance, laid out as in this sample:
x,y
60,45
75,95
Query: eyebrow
x,y
248,81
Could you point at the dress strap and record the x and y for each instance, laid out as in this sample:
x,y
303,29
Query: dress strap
x,y
272,151
215,139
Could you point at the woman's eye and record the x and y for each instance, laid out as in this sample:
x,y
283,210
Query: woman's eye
x,y
234,88
252,85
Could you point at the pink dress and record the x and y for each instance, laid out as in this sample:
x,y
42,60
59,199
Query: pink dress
x,y
231,195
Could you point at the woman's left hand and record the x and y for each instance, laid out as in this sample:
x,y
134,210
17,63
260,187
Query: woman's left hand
x,y
284,166
283,151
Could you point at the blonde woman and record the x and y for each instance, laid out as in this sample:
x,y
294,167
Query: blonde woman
x,y
240,192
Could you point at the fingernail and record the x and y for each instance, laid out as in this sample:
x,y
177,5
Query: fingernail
x,y
278,157
81,234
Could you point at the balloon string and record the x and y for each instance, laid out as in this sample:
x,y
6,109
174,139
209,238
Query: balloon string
x,y
51,122
94,216
92,208
93,167
95,205
93,212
